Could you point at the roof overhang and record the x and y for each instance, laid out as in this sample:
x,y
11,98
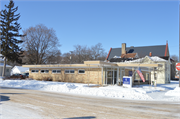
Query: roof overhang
x,y
139,65
92,64
50,66
99,63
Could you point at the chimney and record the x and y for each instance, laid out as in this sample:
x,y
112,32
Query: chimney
x,y
123,49
150,54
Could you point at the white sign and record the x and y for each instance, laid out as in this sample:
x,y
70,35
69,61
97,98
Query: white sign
x,y
127,81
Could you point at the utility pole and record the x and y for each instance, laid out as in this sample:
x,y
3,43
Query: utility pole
x,y
179,41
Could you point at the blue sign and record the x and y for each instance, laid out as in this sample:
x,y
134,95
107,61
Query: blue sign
x,y
126,80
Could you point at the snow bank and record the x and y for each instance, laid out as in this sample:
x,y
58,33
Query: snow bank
x,y
142,92
175,92
77,88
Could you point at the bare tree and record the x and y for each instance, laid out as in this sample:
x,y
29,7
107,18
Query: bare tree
x,y
55,58
98,53
175,58
40,43
84,53
66,58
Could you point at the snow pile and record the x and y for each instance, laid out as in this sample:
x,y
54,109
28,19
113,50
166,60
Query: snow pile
x,y
77,88
168,92
175,92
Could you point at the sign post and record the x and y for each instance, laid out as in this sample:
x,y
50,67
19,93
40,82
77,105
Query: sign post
x,y
127,81
178,68
179,41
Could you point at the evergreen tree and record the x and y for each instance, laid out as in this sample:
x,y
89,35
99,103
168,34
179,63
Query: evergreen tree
x,y
9,29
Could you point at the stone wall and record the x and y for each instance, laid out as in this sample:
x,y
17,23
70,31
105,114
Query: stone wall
x,y
93,76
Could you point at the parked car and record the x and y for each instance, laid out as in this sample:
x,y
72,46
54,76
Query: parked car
x,y
25,75
16,76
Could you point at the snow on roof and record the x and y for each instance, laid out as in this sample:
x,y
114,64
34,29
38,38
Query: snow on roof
x,y
22,69
158,59
2,64
117,57
154,58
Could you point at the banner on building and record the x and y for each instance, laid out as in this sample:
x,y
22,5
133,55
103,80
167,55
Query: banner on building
x,y
140,74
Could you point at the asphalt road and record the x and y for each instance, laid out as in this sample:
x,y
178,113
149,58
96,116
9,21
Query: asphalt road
x,y
33,104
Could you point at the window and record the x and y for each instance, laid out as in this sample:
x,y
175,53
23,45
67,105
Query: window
x,y
44,71
7,70
53,71
81,71
56,71
66,71
137,76
69,71
34,71
147,76
72,71
130,73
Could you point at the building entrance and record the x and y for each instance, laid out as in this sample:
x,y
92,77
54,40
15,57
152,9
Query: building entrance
x,y
111,77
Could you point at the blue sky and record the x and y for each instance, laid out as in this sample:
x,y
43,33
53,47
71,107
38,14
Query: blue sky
x,y
136,23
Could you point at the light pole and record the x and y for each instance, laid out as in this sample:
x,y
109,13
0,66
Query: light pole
x,y
179,41
70,59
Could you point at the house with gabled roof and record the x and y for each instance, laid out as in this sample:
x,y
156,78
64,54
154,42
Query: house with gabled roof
x,y
131,54
161,74
158,50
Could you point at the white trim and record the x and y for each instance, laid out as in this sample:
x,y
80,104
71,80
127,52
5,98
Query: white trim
x,y
44,72
56,71
69,71
60,67
35,70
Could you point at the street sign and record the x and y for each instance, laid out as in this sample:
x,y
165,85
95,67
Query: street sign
x,y
178,66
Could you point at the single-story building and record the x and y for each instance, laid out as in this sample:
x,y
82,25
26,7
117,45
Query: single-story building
x,y
154,62
96,72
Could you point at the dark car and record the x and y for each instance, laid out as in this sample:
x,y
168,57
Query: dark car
x,y
26,74
16,75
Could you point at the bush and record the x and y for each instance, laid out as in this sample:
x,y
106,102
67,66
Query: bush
x,y
47,79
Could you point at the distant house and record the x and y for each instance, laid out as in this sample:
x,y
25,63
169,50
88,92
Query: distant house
x,y
8,67
130,52
19,70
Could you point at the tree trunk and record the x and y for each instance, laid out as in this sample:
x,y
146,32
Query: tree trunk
x,y
4,68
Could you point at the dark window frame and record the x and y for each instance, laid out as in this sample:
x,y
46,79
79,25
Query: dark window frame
x,y
69,71
35,71
56,71
81,72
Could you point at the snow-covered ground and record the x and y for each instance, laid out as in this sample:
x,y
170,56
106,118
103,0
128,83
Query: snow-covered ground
x,y
165,92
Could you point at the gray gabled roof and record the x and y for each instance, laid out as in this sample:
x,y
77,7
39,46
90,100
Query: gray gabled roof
x,y
158,50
